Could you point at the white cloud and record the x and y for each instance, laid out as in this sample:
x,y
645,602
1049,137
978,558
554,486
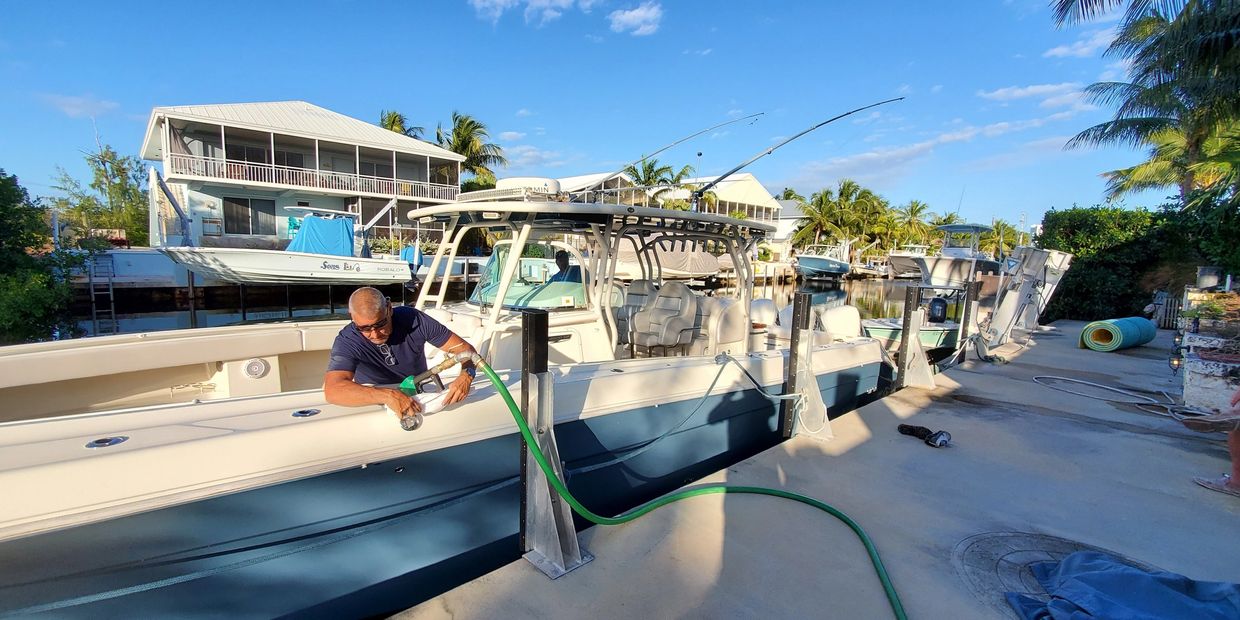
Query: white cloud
x,y
904,89
511,136
544,11
1036,90
705,52
641,21
719,134
1089,44
868,118
524,156
80,106
594,38
735,112
1115,71
492,9
881,165
523,112
1028,153
936,89
538,12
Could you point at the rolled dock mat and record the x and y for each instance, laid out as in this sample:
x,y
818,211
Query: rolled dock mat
x,y
1116,334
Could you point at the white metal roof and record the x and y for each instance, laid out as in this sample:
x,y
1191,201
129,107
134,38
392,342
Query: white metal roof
x,y
741,187
588,181
297,118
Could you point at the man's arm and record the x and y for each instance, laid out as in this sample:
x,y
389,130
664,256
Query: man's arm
x,y
340,389
459,388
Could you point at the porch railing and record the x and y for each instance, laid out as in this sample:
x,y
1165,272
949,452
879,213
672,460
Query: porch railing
x,y
212,168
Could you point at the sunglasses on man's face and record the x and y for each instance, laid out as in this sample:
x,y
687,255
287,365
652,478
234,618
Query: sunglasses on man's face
x,y
373,327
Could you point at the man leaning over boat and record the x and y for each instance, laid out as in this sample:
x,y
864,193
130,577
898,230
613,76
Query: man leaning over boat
x,y
383,345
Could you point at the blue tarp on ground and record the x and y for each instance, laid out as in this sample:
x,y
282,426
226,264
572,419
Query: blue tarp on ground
x,y
324,236
1087,585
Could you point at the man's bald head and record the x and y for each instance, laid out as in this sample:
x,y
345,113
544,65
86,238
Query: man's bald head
x,y
367,302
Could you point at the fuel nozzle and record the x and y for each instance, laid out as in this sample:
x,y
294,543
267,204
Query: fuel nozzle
x,y
413,421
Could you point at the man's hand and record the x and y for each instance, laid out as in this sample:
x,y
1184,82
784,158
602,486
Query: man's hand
x,y
458,389
400,403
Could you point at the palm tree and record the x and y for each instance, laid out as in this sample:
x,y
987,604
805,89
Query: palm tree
x,y
1000,240
912,218
791,194
653,174
468,138
392,120
821,215
1169,164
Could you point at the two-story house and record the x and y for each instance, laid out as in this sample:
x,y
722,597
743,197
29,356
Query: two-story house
x,y
246,172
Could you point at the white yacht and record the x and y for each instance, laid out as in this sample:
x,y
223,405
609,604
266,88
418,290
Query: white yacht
x,y
157,472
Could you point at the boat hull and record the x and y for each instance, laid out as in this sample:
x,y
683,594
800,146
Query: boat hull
x,y
375,539
903,266
246,266
952,272
888,333
821,267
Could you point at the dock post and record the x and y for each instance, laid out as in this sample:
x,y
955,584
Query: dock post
x,y
913,368
548,537
972,291
802,304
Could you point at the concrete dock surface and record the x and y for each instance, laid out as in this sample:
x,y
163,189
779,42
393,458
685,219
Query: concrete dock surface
x,y
1033,474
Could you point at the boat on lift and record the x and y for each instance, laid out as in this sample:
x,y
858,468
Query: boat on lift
x,y
959,260
824,261
902,263
322,252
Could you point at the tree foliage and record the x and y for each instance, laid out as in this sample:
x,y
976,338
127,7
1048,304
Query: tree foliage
x,y
468,137
115,197
34,288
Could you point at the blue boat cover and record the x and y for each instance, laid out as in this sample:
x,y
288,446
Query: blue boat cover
x,y
1088,584
412,254
324,236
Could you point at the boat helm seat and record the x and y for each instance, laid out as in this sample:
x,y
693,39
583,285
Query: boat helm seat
x,y
719,326
640,295
763,312
668,321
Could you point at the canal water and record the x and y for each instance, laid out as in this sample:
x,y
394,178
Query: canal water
x,y
142,310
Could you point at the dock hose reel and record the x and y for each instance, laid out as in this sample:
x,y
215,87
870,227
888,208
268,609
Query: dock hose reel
x,y
888,589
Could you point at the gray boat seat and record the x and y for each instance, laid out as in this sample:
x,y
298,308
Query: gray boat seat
x,y
719,326
668,321
640,295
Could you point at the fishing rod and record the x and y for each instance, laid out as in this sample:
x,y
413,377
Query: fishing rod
x,y
698,193
685,139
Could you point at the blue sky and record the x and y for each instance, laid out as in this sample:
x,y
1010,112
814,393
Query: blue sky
x,y
577,86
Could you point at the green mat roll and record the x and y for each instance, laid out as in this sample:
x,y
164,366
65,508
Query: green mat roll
x,y
1116,334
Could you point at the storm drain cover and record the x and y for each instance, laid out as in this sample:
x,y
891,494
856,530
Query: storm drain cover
x,y
998,562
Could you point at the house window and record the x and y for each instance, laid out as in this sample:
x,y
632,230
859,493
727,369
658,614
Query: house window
x,y
287,158
383,171
252,154
249,216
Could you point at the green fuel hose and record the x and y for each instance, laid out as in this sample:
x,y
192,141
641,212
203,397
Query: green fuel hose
x,y
888,589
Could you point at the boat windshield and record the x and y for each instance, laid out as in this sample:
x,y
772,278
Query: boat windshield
x,y
538,283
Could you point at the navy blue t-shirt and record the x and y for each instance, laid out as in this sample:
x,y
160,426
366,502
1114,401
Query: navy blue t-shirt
x,y
370,363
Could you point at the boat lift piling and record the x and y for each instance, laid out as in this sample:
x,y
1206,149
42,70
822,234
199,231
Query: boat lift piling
x,y
912,366
802,304
548,537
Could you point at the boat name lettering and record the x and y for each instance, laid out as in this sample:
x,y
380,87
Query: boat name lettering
x,y
341,266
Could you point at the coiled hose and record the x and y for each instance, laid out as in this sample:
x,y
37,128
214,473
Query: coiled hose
x,y
894,599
